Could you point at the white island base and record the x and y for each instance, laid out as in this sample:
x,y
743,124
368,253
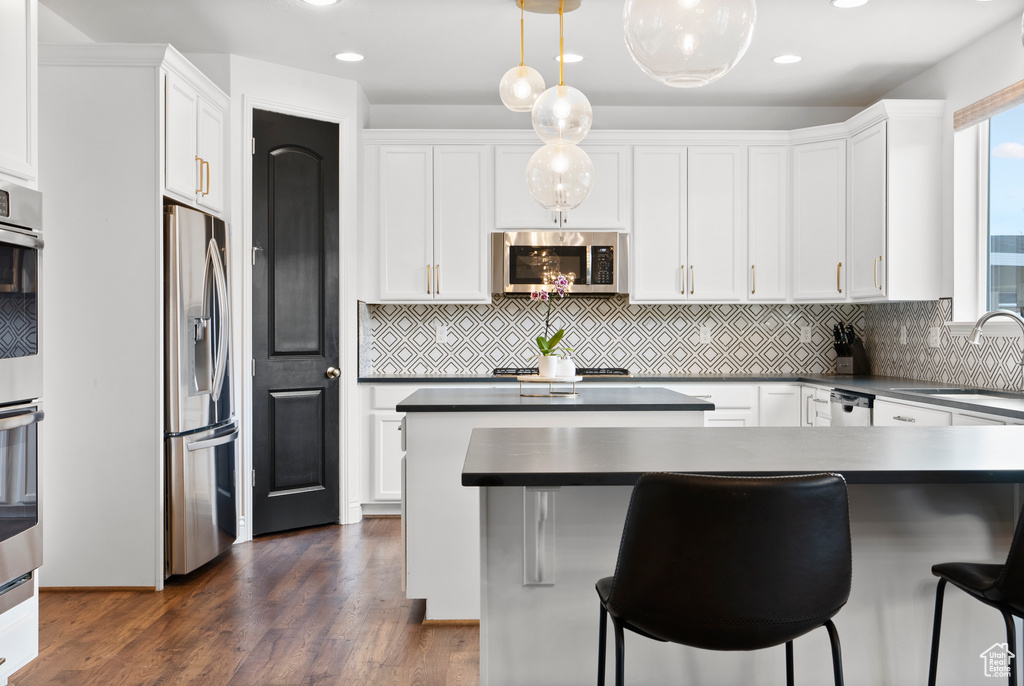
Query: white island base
x,y
547,634
442,518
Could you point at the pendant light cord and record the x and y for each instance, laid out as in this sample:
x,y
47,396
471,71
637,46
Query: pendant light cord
x,y
561,44
522,15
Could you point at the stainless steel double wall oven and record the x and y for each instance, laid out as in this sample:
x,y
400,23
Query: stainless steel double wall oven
x,y
21,390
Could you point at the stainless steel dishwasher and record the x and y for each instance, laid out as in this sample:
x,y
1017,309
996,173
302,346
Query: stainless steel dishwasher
x,y
851,409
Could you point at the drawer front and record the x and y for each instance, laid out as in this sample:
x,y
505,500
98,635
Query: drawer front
x,y
19,640
888,413
725,396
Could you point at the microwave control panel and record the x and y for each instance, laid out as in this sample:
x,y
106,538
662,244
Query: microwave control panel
x,y
5,204
602,265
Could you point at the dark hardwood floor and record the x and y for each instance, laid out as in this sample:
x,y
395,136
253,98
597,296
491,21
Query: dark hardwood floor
x,y
316,606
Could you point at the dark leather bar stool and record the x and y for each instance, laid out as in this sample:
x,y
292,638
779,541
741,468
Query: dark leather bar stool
x,y
730,563
999,586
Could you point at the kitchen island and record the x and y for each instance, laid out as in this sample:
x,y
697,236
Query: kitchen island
x,y
442,518
556,500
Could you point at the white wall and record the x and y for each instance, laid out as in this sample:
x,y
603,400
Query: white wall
x,y
610,117
261,85
55,29
990,64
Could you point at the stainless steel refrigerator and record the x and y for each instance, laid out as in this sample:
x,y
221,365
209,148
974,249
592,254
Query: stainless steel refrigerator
x,y
200,428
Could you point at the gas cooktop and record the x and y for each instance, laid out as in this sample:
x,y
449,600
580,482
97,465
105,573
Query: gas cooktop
x,y
580,371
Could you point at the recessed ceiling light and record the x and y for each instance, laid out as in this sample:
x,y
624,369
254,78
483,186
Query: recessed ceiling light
x,y
847,4
570,58
349,57
787,59
320,3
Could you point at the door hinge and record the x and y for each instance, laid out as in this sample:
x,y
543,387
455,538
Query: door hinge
x,y
253,139
254,367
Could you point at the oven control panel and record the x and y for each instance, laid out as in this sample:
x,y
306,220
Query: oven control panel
x,y
5,204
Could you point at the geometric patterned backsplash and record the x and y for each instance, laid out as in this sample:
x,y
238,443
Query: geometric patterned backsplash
x,y
607,332
993,364
18,328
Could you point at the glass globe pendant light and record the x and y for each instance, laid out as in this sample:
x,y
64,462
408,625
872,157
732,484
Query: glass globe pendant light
x,y
688,43
560,176
562,113
521,86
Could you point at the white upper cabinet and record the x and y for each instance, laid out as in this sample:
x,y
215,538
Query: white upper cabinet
x,y
895,201
819,221
194,158
607,207
658,245
768,222
867,213
690,224
716,208
434,232
18,99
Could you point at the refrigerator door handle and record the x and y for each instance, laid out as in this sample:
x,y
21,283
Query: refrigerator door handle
x,y
220,288
213,441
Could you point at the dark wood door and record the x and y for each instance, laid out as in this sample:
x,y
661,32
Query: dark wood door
x,y
295,322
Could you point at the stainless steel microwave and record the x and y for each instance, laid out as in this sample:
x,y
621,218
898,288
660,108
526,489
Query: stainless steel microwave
x,y
524,260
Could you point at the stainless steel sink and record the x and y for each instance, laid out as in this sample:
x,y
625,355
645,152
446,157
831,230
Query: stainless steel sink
x,y
974,396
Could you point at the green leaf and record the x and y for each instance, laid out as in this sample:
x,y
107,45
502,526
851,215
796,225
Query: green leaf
x,y
545,348
553,341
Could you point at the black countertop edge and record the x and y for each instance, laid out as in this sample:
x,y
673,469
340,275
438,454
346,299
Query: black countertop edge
x,y
588,400
559,479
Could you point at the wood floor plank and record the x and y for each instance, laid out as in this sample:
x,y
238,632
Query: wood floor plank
x,y
321,606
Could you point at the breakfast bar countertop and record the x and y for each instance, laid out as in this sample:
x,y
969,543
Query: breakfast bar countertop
x,y
546,457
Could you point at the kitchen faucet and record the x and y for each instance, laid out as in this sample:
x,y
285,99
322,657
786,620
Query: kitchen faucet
x,y
975,336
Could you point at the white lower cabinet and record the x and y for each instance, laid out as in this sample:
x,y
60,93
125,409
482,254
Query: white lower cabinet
x,y
19,636
965,419
386,458
815,409
778,405
893,413
735,403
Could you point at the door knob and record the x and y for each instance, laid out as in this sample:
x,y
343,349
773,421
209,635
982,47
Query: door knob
x,y
333,372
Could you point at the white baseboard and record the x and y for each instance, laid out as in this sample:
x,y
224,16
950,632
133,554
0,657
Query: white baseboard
x,y
378,509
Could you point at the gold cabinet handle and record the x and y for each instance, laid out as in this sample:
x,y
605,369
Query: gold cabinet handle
x,y
206,163
753,280
838,268
683,267
428,279
691,279
874,271
437,279
199,176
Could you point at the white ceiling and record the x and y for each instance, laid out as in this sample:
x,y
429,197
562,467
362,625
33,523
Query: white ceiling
x,y
455,51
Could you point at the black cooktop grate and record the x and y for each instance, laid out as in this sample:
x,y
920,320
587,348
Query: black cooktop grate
x,y
580,371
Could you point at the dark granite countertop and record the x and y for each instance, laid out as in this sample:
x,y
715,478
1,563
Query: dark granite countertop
x,y
614,457
587,400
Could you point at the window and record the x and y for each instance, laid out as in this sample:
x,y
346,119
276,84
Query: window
x,y
1005,231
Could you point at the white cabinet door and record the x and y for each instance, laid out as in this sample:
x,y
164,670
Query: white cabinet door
x,y
892,413
716,222
963,419
608,205
867,214
385,428
819,220
658,246
181,163
210,151
18,74
406,218
514,207
768,222
779,405
461,220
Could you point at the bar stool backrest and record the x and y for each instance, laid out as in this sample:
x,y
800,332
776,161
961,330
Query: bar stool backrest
x,y
733,563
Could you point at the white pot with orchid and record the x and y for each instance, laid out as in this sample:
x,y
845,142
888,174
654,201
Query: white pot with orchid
x,y
548,360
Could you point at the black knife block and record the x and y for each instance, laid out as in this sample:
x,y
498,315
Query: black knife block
x,y
857,363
